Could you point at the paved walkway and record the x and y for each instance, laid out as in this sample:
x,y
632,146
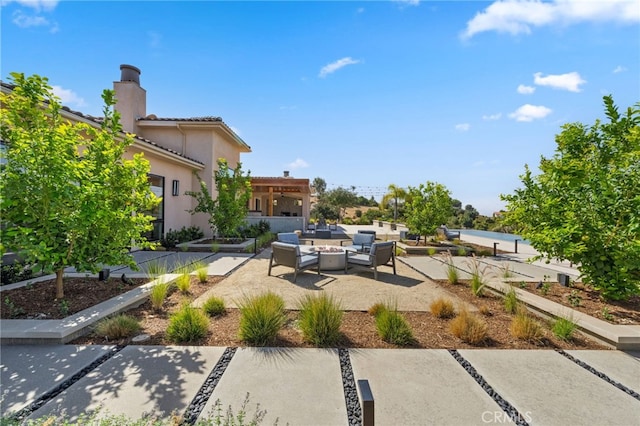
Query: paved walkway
x,y
313,386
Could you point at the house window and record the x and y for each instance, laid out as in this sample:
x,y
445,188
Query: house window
x,y
157,187
257,205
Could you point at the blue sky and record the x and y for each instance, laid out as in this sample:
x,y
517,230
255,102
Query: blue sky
x,y
362,94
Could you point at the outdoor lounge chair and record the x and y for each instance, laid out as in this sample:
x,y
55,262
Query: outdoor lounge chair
x,y
379,255
361,242
449,235
292,238
286,254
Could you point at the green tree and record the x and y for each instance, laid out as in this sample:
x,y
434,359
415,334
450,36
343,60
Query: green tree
x,y
67,195
429,207
228,212
340,198
319,185
393,198
584,204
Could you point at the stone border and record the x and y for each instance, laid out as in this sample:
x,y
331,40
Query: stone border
x,y
195,246
65,330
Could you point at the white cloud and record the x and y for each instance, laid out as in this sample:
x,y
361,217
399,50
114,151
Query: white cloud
x,y
529,112
360,10
570,81
619,69
68,97
492,116
408,2
526,90
25,20
519,16
463,127
299,163
335,66
37,5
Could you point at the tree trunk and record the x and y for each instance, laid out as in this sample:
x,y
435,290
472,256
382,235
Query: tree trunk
x,y
59,288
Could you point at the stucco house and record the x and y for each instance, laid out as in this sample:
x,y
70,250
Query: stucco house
x,y
178,147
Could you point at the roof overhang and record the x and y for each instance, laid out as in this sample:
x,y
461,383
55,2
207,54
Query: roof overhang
x,y
219,126
280,184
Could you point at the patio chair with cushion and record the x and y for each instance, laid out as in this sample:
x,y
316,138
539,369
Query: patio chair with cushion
x,y
285,254
360,243
449,235
381,254
292,238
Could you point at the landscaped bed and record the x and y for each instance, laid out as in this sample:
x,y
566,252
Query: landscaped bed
x,y
358,329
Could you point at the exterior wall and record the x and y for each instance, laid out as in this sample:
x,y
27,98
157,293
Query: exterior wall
x,y
205,145
175,207
279,223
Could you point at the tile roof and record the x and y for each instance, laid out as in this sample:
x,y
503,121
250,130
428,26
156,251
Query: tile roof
x,y
152,117
99,120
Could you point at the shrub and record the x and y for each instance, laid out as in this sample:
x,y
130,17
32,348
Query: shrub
x,y
563,328
202,273
478,276
172,238
393,327
156,268
506,271
510,300
525,327
261,318
13,273
184,283
431,251
469,328
213,306
376,309
442,308
452,271
158,294
320,319
189,324
118,327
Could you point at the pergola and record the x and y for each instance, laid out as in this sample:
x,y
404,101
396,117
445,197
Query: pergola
x,y
293,194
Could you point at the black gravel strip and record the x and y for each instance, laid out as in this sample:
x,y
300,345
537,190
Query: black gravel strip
x,y
26,411
511,411
600,374
199,401
354,411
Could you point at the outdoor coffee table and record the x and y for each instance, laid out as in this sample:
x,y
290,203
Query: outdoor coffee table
x,y
331,258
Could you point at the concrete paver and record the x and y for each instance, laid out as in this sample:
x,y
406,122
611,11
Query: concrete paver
x,y
547,388
417,387
29,371
223,263
295,386
618,366
138,380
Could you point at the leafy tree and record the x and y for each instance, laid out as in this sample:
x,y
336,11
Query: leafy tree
x,y
319,185
67,196
584,204
393,197
341,198
429,207
228,212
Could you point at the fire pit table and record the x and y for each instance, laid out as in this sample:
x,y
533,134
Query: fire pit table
x,y
331,258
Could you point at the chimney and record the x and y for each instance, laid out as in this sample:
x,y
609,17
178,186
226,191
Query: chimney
x,y
131,99
286,173
129,73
